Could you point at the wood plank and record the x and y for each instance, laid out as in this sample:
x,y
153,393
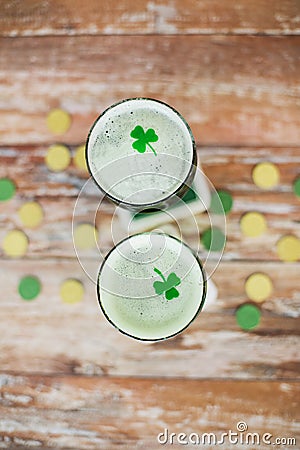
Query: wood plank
x,y
100,413
227,168
48,336
62,17
53,238
232,90
284,300
231,167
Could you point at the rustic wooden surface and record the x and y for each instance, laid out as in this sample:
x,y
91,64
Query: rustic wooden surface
x,y
234,90
55,404
27,17
68,379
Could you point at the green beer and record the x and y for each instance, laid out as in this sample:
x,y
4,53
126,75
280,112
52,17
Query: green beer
x,y
151,286
141,153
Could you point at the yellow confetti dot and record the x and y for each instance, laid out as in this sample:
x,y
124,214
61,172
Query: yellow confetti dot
x,y
15,243
31,214
258,287
79,158
253,224
71,291
58,157
265,175
58,121
85,236
288,248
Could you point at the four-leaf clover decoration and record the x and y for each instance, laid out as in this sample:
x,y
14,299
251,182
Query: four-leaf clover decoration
x,y
143,139
167,286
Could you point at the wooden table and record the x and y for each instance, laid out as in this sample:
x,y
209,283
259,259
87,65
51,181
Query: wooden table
x,y
68,379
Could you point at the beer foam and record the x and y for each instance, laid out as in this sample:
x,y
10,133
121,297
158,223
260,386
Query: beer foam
x,y
128,175
126,286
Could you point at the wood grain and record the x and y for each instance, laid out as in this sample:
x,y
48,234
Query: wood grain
x,y
49,240
48,336
227,168
66,17
68,379
101,413
284,300
232,90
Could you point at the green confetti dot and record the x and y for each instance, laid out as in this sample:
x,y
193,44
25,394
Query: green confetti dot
x,y
29,287
296,187
221,202
248,316
7,189
213,239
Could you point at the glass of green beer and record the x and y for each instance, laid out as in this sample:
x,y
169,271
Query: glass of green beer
x,y
151,286
141,153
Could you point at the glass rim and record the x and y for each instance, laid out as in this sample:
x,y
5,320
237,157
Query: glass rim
x,y
193,163
201,303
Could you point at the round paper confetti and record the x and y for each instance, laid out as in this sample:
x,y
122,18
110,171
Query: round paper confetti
x,y
296,187
221,202
258,287
265,175
58,121
71,291
253,224
7,189
79,158
85,236
31,214
58,157
29,287
248,316
213,239
288,248
15,243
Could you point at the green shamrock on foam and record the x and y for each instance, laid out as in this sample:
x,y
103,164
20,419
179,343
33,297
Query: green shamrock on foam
x,y
167,286
143,139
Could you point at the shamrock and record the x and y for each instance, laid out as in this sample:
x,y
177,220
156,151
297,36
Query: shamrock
x,y
167,286
143,139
